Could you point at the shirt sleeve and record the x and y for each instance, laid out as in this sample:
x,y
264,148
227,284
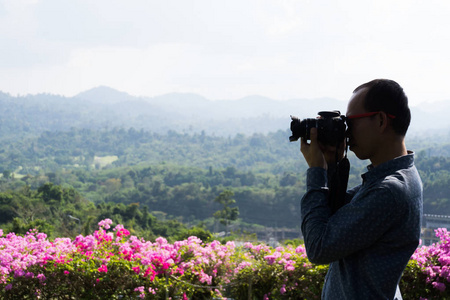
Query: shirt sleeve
x,y
329,237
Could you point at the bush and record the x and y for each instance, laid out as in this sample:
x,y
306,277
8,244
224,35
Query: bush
x,y
112,264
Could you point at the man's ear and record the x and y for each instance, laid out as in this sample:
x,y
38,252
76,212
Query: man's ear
x,y
383,120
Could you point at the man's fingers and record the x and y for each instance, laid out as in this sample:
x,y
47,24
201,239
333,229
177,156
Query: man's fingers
x,y
312,151
303,145
313,134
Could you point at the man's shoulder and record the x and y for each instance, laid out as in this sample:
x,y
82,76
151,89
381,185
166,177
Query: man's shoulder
x,y
403,184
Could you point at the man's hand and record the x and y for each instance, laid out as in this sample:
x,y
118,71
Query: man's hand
x,y
312,152
318,155
330,152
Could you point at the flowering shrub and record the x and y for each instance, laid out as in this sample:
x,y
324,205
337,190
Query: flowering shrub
x,y
431,266
280,273
112,264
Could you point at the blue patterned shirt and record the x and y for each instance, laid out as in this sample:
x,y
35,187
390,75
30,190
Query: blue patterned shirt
x,y
369,240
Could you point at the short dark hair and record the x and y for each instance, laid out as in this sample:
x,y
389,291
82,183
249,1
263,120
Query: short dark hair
x,y
388,96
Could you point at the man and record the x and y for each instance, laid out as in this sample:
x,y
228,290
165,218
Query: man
x,y
369,240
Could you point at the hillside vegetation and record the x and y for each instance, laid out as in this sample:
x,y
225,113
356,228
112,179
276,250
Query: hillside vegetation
x,y
126,174
82,157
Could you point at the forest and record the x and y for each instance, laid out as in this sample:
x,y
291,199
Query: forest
x,y
64,182
175,164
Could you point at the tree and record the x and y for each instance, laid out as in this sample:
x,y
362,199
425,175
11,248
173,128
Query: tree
x,y
50,192
7,174
227,213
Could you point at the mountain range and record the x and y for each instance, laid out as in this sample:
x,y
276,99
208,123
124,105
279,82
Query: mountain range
x,y
104,107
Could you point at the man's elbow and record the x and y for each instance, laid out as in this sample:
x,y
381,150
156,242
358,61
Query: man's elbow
x,y
316,256
317,250
317,260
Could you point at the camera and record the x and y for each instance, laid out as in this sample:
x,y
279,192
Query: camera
x,y
330,126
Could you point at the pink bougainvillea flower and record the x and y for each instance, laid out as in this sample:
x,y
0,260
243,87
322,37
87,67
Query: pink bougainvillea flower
x,y
140,289
105,223
41,277
439,286
205,263
150,272
103,268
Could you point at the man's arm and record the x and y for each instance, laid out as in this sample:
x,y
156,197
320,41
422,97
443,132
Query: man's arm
x,y
332,159
329,237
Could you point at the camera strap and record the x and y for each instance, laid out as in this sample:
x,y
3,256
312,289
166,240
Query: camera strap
x,y
337,182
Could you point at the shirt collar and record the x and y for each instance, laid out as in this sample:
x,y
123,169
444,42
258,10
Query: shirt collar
x,y
386,168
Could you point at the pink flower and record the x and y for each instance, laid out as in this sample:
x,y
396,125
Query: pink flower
x,y
103,268
8,287
40,236
300,249
136,270
66,272
19,273
271,258
150,272
161,241
105,223
121,231
203,277
439,286
283,289
140,289
41,277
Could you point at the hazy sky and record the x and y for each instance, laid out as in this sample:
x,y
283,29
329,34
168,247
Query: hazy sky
x,y
225,49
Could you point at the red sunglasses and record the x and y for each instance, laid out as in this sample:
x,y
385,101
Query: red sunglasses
x,y
369,114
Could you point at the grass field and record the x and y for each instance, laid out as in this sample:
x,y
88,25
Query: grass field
x,y
103,161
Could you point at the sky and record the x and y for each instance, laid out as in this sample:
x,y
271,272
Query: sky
x,y
225,50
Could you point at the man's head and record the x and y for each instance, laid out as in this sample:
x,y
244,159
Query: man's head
x,y
388,96
378,117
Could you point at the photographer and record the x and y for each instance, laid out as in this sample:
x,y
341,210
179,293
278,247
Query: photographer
x,y
370,237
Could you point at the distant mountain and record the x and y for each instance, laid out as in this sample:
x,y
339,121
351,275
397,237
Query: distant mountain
x,y
439,108
104,107
104,95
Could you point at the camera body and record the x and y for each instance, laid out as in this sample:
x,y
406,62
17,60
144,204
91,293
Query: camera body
x,y
331,127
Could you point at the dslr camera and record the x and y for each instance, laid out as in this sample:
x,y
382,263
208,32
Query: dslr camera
x,y
331,127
